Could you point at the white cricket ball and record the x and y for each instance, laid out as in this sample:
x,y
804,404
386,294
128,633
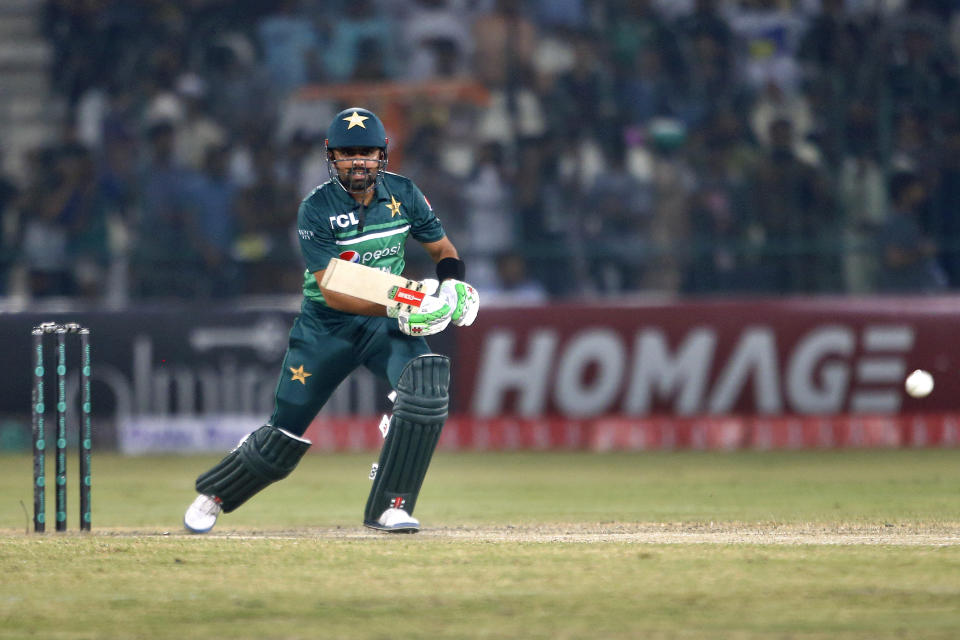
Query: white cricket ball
x,y
919,384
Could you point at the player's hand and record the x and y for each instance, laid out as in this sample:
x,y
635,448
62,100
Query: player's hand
x,y
430,318
463,299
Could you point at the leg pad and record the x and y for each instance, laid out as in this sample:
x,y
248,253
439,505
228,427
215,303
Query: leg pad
x,y
263,457
419,413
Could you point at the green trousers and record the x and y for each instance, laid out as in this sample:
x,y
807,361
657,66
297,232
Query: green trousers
x,y
325,347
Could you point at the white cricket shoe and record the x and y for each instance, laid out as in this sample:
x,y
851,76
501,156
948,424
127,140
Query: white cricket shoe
x,y
202,514
396,521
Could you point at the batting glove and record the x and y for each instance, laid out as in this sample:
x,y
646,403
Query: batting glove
x,y
431,317
463,299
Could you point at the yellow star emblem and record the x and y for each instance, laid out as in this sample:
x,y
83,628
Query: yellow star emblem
x,y
394,206
356,120
300,374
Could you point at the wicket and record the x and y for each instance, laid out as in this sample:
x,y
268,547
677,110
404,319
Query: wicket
x,y
38,409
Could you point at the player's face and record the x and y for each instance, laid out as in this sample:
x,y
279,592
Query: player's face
x,y
357,167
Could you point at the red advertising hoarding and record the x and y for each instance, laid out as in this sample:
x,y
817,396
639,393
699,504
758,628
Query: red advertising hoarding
x,y
773,358
791,373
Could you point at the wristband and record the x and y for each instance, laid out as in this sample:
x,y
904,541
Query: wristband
x,y
451,268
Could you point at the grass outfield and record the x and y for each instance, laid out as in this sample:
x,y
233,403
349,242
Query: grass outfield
x,y
662,545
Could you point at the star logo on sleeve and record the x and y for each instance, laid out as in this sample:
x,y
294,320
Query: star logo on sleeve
x,y
300,375
394,206
356,120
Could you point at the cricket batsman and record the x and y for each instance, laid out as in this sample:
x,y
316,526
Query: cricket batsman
x,y
362,214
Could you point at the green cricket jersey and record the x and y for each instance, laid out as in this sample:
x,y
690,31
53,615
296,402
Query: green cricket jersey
x,y
328,226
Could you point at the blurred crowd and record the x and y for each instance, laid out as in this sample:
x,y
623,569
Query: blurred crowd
x,y
572,148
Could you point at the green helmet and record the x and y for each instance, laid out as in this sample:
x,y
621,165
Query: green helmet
x,y
356,128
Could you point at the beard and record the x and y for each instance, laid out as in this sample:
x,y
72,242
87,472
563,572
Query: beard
x,y
357,181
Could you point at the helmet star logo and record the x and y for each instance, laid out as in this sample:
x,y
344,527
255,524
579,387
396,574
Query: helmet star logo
x,y
300,375
394,206
356,120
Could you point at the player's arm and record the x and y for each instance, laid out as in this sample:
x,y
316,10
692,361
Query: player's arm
x,y
346,303
441,249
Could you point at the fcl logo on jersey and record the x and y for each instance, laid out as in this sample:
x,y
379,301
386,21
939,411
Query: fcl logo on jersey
x,y
350,256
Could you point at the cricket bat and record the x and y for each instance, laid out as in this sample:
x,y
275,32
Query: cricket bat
x,y
372,285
